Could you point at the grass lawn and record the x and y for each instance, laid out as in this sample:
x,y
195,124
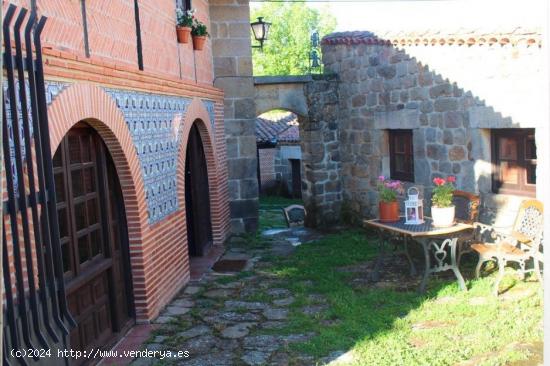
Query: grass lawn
x,y
383,326
271,216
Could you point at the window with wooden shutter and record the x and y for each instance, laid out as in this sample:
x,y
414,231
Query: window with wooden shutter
x,y
401,155
514,161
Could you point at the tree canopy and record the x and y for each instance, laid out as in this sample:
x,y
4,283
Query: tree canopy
x,y
286,52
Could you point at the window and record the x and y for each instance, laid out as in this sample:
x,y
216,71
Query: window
x,y
183,4
514,161
401,155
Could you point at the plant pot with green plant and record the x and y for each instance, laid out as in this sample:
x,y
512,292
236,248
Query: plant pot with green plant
x,y
443,210
388,207
184,24
199,33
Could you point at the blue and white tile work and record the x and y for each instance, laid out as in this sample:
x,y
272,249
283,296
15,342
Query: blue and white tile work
x,y
209,105
150,119
52,90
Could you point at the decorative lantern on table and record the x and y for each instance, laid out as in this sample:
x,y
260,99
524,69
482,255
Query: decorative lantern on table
x,y
414,210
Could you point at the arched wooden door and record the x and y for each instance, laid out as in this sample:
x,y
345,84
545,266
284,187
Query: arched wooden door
x,y
94,240
197,196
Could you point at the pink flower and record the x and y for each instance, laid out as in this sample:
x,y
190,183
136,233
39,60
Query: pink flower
x,y
451,179
381,178
439,181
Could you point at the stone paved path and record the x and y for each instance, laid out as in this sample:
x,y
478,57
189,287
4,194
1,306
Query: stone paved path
x,y
225,319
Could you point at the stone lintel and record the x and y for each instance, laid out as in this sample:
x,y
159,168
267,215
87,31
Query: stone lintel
x,y
401,119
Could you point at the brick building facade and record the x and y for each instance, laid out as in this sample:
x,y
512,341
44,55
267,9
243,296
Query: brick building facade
x,y
115,75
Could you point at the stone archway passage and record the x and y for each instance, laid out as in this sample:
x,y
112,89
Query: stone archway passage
x,y
197,196
94,240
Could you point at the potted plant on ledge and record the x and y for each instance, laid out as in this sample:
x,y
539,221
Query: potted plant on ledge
x,y
388,206
184,24
443,210
199,33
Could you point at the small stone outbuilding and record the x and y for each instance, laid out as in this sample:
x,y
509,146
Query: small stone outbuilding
x,y
420,105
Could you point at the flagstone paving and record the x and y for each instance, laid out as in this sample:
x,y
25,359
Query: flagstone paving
x,y
246,318
225,319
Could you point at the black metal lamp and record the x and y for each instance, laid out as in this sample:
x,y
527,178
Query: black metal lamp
x,y
260,30
314,58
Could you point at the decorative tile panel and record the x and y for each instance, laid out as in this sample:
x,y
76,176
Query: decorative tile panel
x,y
150,119
209,105
52,90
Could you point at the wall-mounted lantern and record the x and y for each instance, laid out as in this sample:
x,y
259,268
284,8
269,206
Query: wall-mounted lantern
x,y
314,58
260,29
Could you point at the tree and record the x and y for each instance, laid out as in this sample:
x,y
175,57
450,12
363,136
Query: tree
x,y
286,52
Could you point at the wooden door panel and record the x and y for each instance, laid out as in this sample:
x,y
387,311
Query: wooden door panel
x,y
89,210
199,224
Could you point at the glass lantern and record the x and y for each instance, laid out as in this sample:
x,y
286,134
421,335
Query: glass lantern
x,y
414,210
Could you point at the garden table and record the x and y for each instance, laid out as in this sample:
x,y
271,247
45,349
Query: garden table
x,y
439,243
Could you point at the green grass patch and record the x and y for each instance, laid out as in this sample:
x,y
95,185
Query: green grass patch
x,y
384,326
267,201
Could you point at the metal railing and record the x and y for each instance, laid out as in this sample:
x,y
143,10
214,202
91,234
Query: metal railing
x,y
36,312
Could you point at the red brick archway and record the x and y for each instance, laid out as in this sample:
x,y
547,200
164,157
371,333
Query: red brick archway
x,y
90,103
197,114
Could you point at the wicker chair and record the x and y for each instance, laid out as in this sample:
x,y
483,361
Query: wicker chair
x,y
520,246
466,206
467,212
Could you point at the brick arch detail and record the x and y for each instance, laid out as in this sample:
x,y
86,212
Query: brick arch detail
x,y
91,104
197,114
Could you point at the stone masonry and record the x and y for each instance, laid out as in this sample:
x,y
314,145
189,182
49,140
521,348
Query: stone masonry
x,y
321,158
449,92
230,34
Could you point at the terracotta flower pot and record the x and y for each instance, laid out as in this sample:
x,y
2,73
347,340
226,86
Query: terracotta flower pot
x,y
389,211
183,34
443,216
198,42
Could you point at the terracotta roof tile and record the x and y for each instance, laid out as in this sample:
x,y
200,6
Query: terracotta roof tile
x,y
503,36
283,129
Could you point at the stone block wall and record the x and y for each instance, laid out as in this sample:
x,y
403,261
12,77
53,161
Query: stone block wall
x,y
321,159
232,55
276,168
449,93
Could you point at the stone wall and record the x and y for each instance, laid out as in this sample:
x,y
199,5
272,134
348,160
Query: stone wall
x,y
321,165
450,93
230,34
276,169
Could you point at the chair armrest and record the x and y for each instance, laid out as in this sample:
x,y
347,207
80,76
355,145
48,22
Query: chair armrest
x,y
521,237
480,229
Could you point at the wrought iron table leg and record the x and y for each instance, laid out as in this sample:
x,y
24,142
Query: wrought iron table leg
x,y
454,265
441,255
411,263
427,268
375,274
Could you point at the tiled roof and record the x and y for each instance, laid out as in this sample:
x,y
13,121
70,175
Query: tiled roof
x,y
514,37
282,129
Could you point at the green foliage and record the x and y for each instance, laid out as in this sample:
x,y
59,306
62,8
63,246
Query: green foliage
x,y
287,48
389,189
184,18
199,28
443,192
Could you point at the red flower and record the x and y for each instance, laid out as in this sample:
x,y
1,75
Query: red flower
x,y
439,181
451,179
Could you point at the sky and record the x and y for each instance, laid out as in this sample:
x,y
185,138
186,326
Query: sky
x,y
424,14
